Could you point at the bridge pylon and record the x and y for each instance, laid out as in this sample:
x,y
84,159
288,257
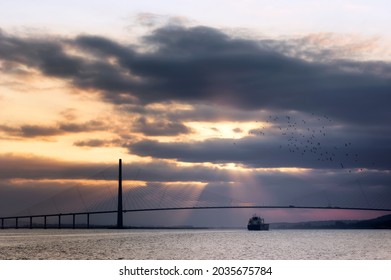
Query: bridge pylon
x,y
120,218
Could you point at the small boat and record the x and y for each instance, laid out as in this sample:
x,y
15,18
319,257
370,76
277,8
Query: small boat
x,y
257,223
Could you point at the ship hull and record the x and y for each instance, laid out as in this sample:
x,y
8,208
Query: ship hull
x,y
258,227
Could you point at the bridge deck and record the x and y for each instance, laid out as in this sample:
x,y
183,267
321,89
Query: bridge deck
x,y
74,214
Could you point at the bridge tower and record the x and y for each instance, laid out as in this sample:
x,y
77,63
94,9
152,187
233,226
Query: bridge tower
x,y
120,220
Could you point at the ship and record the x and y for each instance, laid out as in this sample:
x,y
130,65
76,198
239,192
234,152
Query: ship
x,y
257,223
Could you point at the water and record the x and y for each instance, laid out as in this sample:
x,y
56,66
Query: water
x,y
195,244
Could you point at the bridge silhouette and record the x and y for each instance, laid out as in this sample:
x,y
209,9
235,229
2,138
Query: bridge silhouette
x,y
119,211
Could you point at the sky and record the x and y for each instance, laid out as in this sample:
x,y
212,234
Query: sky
x,y
236,102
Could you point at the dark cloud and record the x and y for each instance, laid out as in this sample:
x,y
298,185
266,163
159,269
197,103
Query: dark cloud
x,y
98,143
223,188
223,78
205,65
208,113
209,69
45,54
34,167
32,131
36,130
83,127
13,68
17,196
103,46
159,127
274,151
92,143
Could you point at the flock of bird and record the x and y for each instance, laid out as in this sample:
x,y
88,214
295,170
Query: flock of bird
x,y
310,137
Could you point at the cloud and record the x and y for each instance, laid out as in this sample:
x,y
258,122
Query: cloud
x,y
97,143
178,75
45,55
83,127
270,150
221,77
42,176
152,20
327,46
36,130
36,167
61,128
159,127
203,65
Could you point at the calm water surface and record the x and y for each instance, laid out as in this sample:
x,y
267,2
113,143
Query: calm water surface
x,y
195,244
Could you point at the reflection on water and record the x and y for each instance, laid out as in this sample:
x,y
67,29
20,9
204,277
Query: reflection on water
x,y
195,244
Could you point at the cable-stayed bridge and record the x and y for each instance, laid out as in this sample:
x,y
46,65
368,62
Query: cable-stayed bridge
x,y
75,207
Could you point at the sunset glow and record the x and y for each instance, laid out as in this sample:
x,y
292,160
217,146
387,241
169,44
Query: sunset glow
x,y
261,103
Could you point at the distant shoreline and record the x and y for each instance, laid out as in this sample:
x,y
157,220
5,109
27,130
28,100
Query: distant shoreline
x,y
382,222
